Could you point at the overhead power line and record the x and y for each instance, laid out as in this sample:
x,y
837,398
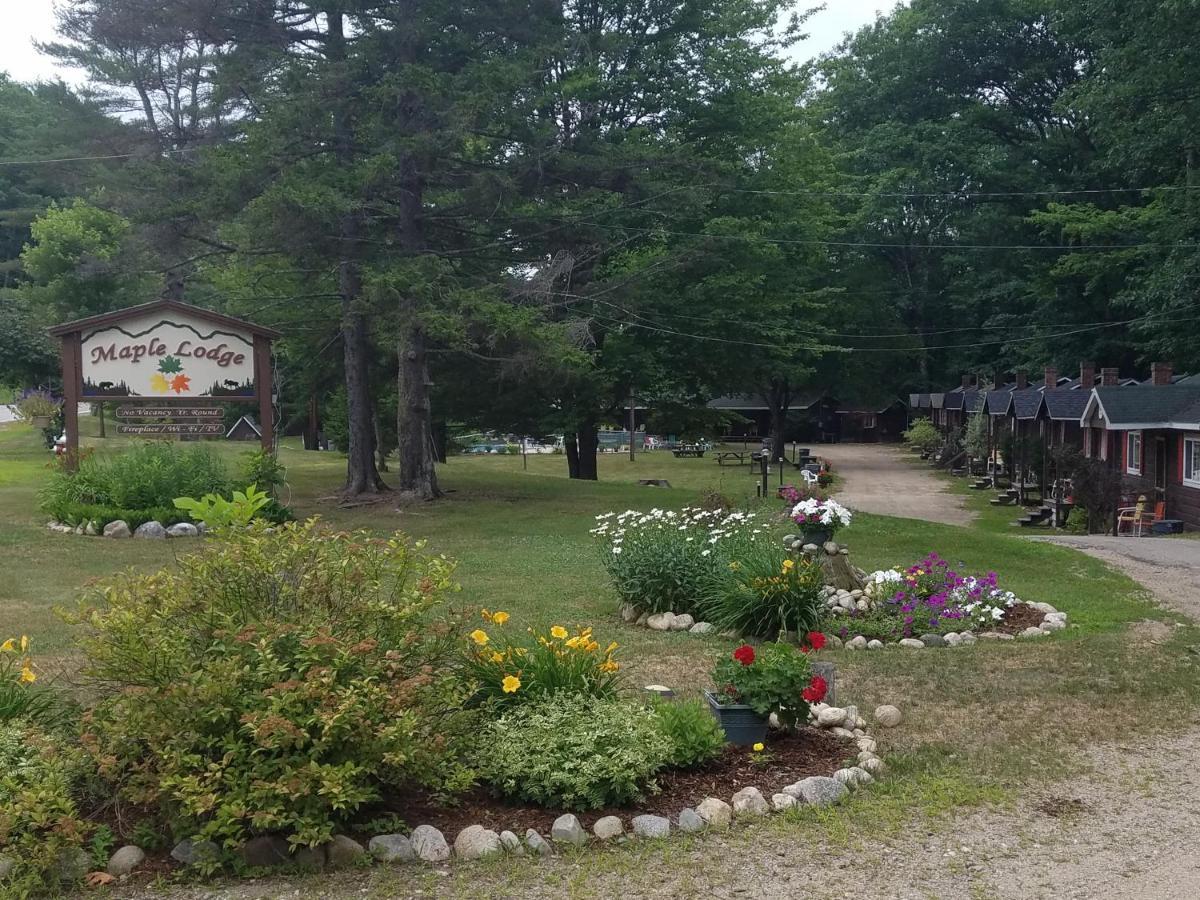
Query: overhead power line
x,y
71,159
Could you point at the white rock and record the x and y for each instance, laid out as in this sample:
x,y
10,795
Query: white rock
x,y
867,744
875,644
864,755
875,766
966,637
537,843
682,622
952,639
862,605
661,621
1033,631
840,732
429,844
151,530
817,790
831,716
1053,624
390,848
647,826
860,775
512,843
858,642
846,777
567,830
703,628
1042,607
477,842
911,643
690,821
749,801
716,812
781,802
117,529
608,827
888,716
845,601
183,530
125,860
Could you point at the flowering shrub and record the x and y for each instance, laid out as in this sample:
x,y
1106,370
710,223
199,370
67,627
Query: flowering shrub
x,y
813,514
775,678
792,494
568,752
931,597
40,778
665,560
555,662
275,682
765,592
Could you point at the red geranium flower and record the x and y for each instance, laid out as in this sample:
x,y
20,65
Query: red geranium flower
x,y
744,654
816,640
815,692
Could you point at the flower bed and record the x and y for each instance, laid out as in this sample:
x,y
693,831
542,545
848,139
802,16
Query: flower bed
x,y
933,604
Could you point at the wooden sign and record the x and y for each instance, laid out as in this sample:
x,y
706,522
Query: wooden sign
x,y
158,428
170,412
165,352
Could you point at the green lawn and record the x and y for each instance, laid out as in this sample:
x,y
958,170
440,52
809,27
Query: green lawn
x,y
981,721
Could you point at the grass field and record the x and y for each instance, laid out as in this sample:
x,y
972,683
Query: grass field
x,y
981,722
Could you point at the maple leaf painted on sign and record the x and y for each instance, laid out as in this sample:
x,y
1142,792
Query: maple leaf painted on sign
x,y
169,365
159,383
180,383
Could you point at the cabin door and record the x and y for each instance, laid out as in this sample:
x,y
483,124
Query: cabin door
x,y
1160,468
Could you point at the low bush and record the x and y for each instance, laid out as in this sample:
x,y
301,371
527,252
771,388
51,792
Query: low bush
x,y
923,436
555,662
568,752
40,822
148,475
695,735
275,682
216,511
763,591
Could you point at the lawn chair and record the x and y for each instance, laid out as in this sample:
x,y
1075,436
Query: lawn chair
x,y
810,478
1137,519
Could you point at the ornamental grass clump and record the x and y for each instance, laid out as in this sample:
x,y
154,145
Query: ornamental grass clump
x,y
664,560
763,591
694,733
276,682
509,671
772,678
564,751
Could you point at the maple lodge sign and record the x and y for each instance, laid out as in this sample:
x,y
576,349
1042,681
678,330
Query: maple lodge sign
x,y
164,352
162,355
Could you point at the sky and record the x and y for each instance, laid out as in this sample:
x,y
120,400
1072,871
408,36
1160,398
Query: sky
x,y
28,20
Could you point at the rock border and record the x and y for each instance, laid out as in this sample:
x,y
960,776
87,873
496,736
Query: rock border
x,y
119,528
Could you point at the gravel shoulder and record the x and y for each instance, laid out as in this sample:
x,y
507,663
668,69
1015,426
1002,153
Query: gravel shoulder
x,y
881,479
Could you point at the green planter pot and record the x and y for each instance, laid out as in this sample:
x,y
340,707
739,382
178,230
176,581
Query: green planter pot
x,y
742,725
817,536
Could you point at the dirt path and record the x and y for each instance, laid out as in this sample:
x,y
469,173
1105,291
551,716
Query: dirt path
x,y
1168,567
879,478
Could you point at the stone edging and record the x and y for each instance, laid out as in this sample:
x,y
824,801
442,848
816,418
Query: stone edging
x,y
119,528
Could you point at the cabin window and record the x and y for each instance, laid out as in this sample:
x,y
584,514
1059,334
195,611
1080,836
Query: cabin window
x,y
1133,453
868,421
1191,462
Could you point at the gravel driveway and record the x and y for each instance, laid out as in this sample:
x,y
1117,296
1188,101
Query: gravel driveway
x,y
882,478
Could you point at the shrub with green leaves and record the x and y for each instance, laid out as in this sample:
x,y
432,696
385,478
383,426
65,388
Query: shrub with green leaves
x,y
763,591
694,733
276,682
922,435
41,777
216,511
148,475
572,752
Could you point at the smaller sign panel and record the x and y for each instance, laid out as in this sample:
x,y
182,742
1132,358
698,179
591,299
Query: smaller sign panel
x,y
194,428
170,412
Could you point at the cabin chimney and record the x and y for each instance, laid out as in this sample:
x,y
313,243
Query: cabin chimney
x,y
1022,379
1160,373
1087,375
1110,377
1050,379
966,382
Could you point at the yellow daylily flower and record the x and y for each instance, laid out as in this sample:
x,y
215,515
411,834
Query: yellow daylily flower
x,y
8,646
479,636
558,632
510,684
609,666
24,642
610,648
499,617
27,675
758,748
487,616
497,656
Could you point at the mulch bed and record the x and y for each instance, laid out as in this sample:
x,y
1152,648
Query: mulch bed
x,y
1018,618
792,757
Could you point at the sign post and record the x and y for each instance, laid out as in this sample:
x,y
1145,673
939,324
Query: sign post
x,y
163,357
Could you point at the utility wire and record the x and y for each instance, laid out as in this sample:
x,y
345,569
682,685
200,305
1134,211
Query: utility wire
x,y
71,159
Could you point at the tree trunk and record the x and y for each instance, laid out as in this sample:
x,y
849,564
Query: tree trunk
x,y
587,440
778,424
381,452
414,422
572,448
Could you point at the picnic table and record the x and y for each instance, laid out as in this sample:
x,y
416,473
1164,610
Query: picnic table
x,y
688,451
738,457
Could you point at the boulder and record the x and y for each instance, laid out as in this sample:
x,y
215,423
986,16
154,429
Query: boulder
x,y
429,844
933,640
125,860
749,801
567,830
117,529
911,643
817,790
690,821
831,716
1033,631
310,859
1042,607
875,766
682,622
476,842
860,775
831,548
266,851
661,621
1050,624
781,802
867,745
715,812
846,777
996,636
966,638
183,530
643,619
703,628
91,529
875,644
343,851
537,843
953,639
512,843
391,848
888,716
151,531
188,852
72,865
608,827
647,826
858,642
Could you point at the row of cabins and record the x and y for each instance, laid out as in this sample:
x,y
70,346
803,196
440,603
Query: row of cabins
x,y
1149,431
818,416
